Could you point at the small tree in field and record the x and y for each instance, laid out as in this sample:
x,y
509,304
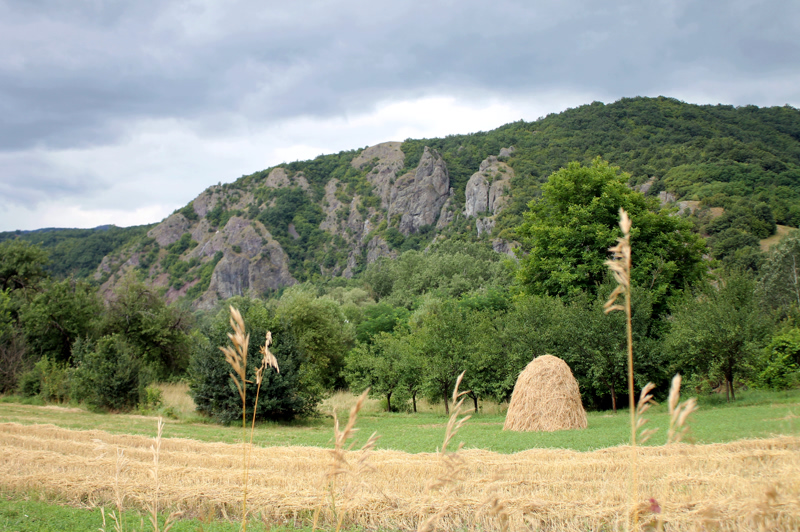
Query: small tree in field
x,y
721,328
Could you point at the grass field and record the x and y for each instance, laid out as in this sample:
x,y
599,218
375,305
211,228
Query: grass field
x,y
570,480
754,415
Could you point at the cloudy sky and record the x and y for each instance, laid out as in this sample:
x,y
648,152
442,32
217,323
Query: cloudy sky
x,y
121,112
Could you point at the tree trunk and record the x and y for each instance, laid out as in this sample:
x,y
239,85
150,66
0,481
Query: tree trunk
x,y
475,400
727,390
446,402
414,401
613,399
389,402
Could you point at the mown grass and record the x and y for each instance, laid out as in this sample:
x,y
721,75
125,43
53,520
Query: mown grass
x,y
755,414
30,515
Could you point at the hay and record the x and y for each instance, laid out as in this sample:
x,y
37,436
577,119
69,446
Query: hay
x,y
546,398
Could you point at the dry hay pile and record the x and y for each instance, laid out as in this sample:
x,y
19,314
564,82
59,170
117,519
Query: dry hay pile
x,y
744,485
546,398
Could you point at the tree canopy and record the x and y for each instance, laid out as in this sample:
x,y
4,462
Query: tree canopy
x,y
567,232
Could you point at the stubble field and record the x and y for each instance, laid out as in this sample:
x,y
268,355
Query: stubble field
x,y
750,484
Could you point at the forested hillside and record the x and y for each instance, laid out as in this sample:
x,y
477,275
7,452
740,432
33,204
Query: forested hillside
x,y
398,266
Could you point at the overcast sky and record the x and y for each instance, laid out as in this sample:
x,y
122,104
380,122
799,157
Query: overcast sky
x,y
121,112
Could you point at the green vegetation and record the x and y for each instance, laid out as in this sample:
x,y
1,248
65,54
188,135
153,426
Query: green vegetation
x,y
755,414
33,515
707,301
78,252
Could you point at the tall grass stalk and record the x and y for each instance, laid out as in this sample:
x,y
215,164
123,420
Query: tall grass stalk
x,y
452,462
236,356
620,267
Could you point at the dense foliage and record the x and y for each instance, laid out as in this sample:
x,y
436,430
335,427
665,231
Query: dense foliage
x,y
706,188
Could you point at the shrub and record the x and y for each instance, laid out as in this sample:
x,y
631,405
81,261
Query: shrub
x,y
108,375
282,397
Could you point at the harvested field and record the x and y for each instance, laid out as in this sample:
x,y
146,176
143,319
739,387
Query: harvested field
x,y
745,485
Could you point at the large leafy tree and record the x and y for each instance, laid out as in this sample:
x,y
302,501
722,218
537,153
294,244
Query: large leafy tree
x,y
21,264
567,232
58,315
158,333
721,329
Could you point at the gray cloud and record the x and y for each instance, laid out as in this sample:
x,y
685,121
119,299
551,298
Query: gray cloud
x,y
78,72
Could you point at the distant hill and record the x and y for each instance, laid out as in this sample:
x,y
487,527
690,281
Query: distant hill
x,y
332,215
78,252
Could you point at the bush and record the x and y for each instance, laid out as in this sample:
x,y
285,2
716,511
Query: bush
x,y
282,397
780,367
108,375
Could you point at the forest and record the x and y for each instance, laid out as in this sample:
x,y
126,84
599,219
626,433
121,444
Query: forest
x,y
712,299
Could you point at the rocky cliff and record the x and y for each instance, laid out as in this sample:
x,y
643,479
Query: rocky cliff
x,y
257,234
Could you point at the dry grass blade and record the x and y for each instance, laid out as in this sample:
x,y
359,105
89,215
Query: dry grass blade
x,y
339,464
645,401
453,465
236,356
678,412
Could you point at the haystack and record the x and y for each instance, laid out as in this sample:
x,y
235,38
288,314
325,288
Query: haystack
x,y
545,398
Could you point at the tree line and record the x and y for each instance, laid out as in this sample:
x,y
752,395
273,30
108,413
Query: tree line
x,y
407,327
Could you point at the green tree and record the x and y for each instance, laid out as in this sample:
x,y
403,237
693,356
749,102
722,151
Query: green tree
x,y
281,397
57,315
21,264
157,332
780,273
321,333
381,367
442,339
567,233
597,350
720,329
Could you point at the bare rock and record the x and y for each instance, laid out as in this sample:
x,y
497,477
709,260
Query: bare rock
x,y
645,187
484,225
487,189
666,197
330,206
505,247
389,160
419,197
377,248
277,178
299,180
170,230
505,153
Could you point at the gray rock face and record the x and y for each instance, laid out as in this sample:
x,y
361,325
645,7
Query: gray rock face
x,y
170,230
388,160
419,197
487,193
505,153
261,264
666,197
377,248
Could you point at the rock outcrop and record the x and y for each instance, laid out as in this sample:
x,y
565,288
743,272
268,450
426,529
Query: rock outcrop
x,y
487,193
418,197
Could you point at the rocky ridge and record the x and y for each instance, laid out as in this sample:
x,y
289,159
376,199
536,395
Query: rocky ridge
x,y
220,245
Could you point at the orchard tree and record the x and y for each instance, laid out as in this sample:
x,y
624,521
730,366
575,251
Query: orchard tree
x,y
566,235
721,329
383,367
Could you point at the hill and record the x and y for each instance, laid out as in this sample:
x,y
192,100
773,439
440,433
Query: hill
x,y
735,171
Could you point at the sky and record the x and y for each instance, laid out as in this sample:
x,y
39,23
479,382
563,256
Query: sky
x,y
120,112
